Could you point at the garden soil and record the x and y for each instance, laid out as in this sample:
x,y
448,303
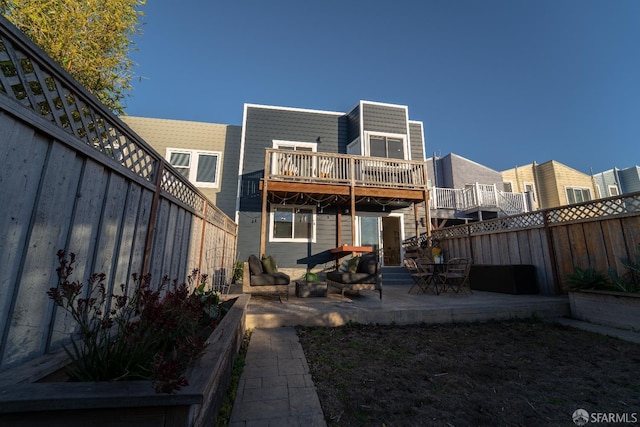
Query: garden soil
x,y
502,373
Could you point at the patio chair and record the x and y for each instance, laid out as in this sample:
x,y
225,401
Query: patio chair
x,y
326,168
410,265
287,166
456,276
428,277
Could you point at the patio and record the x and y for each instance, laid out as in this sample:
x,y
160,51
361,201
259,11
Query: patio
x,y
399,307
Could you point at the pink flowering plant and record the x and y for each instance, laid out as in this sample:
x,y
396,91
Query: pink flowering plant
x,y
151,334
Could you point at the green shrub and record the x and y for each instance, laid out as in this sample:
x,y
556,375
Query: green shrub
x,y
589,278
154,334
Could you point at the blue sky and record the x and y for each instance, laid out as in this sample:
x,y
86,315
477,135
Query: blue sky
x,y
501,82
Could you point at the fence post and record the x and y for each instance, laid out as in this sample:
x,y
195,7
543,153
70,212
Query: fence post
x,y
153,214
470,242
202,235
552,253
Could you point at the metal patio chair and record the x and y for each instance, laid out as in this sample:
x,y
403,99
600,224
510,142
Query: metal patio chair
x,y
456,276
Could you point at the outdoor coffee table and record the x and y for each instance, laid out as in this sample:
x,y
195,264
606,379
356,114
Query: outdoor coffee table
x,y
306,289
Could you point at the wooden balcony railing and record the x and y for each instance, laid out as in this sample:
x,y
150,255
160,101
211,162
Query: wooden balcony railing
x,y
478,196
328,168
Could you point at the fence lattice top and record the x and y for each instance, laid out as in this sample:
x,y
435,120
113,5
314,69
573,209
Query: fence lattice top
x,y
30,77
627,204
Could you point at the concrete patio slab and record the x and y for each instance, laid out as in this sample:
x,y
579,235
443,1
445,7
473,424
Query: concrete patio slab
x,y
400,307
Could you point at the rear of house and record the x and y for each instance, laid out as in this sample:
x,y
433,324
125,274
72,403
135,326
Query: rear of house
x,y
329,178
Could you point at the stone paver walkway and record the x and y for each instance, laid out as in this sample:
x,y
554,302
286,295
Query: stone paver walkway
x,y
275,387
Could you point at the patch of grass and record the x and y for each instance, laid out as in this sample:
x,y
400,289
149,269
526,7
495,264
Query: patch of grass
x,y
224,415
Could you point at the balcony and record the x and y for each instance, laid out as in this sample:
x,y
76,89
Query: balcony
x,y
344,175
479,197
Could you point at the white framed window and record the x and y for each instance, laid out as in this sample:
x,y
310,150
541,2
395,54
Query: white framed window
x,y
291,223
508,186
389,145
577,194
200,167
295,145
529,187
613,190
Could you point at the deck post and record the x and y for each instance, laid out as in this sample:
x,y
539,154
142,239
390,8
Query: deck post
x,y
417,219
263,220
352,195
425,196
338,227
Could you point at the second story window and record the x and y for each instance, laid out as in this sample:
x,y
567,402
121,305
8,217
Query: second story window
x,y
391,146
530,188
199,167
577,195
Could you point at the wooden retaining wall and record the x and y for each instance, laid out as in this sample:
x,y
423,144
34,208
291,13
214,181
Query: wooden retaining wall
x,y
74,177
596,234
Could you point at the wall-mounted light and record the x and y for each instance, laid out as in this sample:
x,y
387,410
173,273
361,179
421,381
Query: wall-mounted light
x,y
318,140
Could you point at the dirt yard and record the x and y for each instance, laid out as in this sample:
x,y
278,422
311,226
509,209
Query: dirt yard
x,y
507,373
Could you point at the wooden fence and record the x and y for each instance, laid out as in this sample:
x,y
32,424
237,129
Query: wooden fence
x,y
74,177
596,234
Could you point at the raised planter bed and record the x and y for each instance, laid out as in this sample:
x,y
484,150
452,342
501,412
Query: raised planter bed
x,y
609,308
26,402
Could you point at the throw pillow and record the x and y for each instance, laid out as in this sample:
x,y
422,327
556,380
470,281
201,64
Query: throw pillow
x,y
344,266
269,264
255,265
368,264
353,264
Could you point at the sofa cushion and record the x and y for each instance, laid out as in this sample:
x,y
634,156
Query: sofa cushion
x,y
265,279
269,264
255,265
351,278
368,264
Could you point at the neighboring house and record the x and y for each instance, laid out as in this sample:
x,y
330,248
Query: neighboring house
x,y
553,184
606,184
618,181
311,180
463,190
205,153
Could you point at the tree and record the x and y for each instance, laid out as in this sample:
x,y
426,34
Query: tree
x,y
91,39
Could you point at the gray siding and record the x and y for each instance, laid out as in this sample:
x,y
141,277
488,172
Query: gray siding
x,y
453,171
417,143
227,196
629,179
603,181
384,118
353,124
262,126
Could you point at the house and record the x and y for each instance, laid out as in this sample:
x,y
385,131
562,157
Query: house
x,y
552,184
606,184
205,153
465,191
618,181
312,180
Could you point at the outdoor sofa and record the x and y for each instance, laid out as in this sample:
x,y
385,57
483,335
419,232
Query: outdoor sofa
x,y
365,275
260,277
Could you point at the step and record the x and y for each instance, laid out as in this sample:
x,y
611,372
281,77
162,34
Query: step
x,y
395,276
